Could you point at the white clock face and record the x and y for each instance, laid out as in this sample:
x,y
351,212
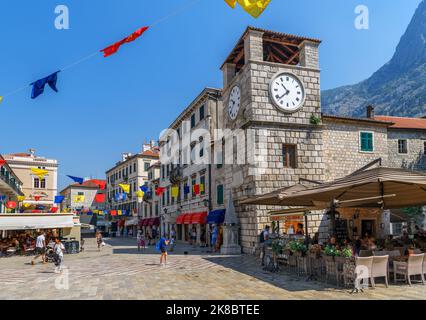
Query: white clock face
x,y
287,92
234,102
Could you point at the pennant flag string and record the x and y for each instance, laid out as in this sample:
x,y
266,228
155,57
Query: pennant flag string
x,y
39,86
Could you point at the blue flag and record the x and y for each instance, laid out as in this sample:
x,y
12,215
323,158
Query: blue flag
x,y
59,199
145,189
186,189
76,179
38,86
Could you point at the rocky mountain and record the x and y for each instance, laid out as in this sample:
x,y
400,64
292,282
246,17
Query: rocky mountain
x,y
398,88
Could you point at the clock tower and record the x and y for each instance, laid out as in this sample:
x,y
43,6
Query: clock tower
x,y
271,93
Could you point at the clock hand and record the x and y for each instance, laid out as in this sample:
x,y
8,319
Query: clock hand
x,y
287,92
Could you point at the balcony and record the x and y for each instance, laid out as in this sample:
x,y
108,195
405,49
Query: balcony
x,y
10,182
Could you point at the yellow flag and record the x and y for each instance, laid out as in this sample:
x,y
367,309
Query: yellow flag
x,y
125,187
1,99
175,192
78,199
201,188
140,194
21,198
101,212
27,205
253,7
119,212
231,3
39,172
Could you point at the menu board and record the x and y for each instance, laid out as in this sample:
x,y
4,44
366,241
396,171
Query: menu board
x,y
341,229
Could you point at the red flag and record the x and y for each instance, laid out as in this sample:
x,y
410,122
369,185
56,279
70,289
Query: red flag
x,y
2,162
11,204
101,184
197,189
100,198
113,212
53,209
108,51
159,191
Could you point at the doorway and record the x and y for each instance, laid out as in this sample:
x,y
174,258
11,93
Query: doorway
x,y
368,226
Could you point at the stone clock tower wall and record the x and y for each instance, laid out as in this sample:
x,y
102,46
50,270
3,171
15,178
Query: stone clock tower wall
x,y
271,129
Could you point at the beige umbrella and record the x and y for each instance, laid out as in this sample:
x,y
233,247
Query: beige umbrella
x,y
381,187
276,198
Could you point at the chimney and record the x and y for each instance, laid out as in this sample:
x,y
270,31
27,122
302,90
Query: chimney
x,y
32,152
370,112
126,155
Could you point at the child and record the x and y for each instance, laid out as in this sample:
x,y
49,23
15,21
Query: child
x,y
141,240
58,249
162,246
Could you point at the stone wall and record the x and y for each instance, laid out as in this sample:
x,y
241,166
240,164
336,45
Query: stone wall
x,y
342,152
415,158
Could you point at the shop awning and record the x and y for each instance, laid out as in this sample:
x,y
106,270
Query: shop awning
x,y
216,216
32,222
187,219
153,222
144,222
179,219
199,218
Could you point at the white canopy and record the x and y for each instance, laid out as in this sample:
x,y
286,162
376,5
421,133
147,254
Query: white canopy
x,y
25,221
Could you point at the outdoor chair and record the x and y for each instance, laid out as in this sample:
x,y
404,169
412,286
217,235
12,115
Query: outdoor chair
x,y
380,253
302,266
380,269
366,253
363,271
413,267
424,265
331,269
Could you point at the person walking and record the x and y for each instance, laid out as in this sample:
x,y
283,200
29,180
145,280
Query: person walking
x,y
264,237
99,240
215,234
40,248
141,240
58,250
172,239
162,247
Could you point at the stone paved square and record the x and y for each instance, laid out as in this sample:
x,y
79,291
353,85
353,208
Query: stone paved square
x,y
120,272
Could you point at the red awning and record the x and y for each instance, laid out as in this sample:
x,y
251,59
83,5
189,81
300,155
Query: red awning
x,y
188,218
145,222
179,219
199,218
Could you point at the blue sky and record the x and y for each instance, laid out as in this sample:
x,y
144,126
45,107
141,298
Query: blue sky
x,y
108,106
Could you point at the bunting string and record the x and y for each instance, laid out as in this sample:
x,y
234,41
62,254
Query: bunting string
x,y
93,54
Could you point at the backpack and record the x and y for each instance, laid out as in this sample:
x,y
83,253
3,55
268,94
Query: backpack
x,y
262,237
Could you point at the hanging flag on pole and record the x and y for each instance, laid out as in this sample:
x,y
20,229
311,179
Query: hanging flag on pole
x,y
76,179
144,189
253,7
2,162
108,51
140,194
38,86
79,199
175,192
20,198
59,199
125,187
39,172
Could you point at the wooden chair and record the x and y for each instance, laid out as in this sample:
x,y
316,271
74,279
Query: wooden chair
x,y
380,268
413,267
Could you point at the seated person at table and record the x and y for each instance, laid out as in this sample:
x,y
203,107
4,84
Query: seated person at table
x,y
300,229
371,244
357,245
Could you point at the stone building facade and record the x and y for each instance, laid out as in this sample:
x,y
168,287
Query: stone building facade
x,y
273,138
189,165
